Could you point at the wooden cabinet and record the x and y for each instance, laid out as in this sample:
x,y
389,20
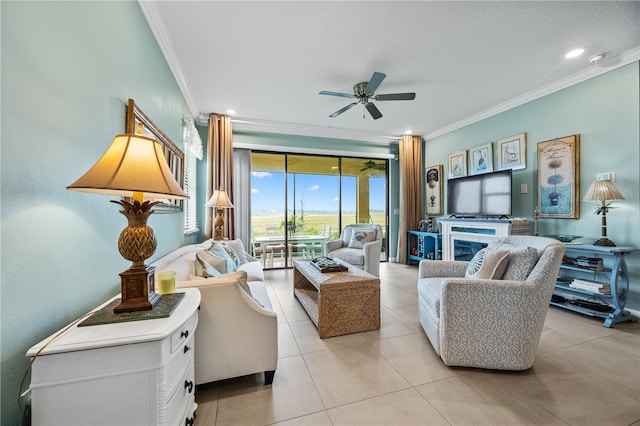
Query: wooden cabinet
x,y
608,269
423,246
128,373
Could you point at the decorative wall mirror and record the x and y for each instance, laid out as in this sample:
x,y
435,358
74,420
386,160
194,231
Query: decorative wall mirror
x,y
138,123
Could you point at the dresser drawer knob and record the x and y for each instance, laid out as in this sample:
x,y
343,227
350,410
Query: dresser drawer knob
x,y
188,384
186,349
188,421
185,334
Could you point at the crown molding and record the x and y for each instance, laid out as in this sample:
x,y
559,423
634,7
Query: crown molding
x,y
264,126
251,125
587,73
152,16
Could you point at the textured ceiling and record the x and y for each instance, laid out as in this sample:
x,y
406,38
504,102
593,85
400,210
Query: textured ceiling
x,y
465,60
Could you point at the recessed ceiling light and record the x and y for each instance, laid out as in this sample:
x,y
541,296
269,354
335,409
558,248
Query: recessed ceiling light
x,y
597,58
231,111
574,53
408,132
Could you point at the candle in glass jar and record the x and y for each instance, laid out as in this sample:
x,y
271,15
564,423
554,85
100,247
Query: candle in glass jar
x,y
166,282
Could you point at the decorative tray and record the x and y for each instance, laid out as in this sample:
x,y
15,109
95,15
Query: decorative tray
x,y
326,264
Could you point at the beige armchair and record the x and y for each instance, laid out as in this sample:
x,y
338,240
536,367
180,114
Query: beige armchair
x,y
359,245
490,323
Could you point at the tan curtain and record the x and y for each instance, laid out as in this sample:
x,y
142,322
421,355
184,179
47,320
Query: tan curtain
x,y
220,174
410,190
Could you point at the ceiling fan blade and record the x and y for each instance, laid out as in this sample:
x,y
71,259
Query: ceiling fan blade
x,y
396,97
373,110
341,110
374,82
344,95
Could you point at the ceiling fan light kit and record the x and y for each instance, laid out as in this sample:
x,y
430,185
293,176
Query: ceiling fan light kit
x,y
364,91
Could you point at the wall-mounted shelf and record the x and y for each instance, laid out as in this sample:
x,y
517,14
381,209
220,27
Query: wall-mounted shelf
x,y
423,246
613,271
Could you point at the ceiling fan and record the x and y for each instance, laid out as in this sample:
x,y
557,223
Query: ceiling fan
x,y
364,91
372,165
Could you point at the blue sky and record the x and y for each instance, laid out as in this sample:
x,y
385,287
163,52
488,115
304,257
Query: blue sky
x,y
318,192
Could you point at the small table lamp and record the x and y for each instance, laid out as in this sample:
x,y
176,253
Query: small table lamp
x,y
134,166
602,190
219,200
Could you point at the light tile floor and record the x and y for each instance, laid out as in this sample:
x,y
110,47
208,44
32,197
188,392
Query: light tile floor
x,y
584,373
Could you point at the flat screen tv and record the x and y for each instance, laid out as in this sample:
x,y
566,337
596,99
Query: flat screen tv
x,y
485,195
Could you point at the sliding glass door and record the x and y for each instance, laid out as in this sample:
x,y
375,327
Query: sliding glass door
x,y
299,201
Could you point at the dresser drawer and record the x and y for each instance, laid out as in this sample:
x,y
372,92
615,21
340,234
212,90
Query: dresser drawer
x,y
184,332
180,363
182,398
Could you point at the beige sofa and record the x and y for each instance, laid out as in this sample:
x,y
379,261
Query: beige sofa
x,y
237,331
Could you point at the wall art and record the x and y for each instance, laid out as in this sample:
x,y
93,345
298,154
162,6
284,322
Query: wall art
x,y
481,159
512,152
559,178
434,190
458,164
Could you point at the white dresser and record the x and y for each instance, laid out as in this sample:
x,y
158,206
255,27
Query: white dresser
x,y
128,373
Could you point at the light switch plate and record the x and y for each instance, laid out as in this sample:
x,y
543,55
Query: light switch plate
x,y
523,188
606,176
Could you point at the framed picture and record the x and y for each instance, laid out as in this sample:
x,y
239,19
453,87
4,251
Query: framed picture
x,y
458,164
434,190
512,152
481,159
138,123
559,178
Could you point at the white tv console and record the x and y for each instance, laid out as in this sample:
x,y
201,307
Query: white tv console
x,y
458,234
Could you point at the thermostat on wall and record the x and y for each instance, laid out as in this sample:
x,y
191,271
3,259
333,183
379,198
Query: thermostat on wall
x,y
606,176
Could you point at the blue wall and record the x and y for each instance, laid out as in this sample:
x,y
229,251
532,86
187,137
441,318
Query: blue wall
x,y
605,111
67,70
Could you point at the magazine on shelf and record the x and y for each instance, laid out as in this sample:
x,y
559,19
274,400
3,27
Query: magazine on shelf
x,y
594,286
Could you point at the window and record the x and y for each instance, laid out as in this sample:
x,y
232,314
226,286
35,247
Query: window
x,y
190,212
298,201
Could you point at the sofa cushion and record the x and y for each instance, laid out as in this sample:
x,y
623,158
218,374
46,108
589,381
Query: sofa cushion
x,y
488,264
259,294
254,271
349,255
360,237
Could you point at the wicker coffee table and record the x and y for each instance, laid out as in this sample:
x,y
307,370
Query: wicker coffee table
x,y
338,302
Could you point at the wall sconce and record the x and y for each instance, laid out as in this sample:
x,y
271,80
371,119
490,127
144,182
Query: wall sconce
x,y
134,166
602,190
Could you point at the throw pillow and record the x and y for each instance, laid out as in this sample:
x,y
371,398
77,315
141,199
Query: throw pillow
x,y
360,237
488,264
220,263
232,254
218,250
205,269
521,262
238,248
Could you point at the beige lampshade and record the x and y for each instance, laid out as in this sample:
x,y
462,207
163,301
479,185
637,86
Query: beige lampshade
x,y
602,190
219,199
133,163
